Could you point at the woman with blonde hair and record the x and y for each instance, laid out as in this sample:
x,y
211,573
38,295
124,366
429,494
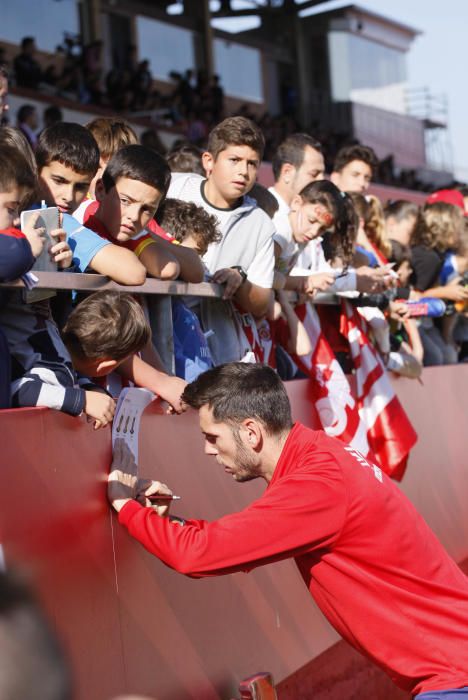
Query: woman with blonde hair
x,y
438,229
371,240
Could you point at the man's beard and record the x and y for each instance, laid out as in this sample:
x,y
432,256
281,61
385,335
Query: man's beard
x,y
246,464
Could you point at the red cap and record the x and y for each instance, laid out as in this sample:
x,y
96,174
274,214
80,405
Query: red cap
x,y
449,197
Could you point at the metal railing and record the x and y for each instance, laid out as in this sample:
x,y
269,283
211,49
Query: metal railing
x,y
157,300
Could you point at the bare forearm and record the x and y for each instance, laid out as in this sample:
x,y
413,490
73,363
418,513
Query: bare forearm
x,y
295,284
191,266
150,355
253,299
299,342
120,264
160,262
414,339
141,373
165,386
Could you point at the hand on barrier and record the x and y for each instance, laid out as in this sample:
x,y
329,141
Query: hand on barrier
x,y
231,278
319,282
99,407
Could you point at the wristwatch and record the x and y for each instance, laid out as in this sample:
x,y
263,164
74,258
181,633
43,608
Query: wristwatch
x,y
241,271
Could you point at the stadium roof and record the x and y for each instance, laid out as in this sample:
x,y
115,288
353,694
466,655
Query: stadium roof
x,y
234,8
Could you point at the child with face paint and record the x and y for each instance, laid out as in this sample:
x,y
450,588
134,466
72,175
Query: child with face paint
x,y
318,209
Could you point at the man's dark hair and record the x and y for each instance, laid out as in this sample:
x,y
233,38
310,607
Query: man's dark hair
x,y
235,131
24,112
355,152
238,390
32,665
52,114
137,162
185,158
70,144
109,325
291,151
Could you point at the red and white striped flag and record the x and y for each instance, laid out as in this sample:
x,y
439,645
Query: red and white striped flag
x,y
372,421
336,407
390,434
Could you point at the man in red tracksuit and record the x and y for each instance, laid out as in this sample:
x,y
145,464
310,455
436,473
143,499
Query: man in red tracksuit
x,y
355,537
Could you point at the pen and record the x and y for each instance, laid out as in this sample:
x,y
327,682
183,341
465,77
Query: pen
x,y
161,497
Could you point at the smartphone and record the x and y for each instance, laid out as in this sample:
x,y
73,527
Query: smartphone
x,y
49,219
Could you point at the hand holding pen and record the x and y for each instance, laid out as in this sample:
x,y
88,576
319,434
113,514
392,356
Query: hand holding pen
x,y
125,485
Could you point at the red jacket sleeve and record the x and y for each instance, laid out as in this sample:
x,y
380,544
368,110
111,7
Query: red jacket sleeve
x,y
296,515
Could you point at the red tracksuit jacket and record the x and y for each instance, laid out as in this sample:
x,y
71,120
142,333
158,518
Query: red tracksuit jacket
x,y
371,563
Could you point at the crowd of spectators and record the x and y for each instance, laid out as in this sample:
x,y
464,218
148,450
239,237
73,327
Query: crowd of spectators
x,y
128,211
194,104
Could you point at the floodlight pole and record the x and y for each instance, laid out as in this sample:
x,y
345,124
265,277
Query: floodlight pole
x,y
207,38
199,10
91,25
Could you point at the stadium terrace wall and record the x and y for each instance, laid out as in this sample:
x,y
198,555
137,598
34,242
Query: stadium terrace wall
x,y
132,625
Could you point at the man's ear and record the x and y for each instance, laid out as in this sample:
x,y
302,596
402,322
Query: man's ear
x,y
99,190
287,173
207,162
105,367
253,434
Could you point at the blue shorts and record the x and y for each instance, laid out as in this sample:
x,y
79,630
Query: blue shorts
x,y
455,694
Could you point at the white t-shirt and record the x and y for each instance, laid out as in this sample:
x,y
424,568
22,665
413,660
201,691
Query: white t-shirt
x,y
246,232
290,249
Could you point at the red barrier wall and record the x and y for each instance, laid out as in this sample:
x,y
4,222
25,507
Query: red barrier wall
x,y
132,625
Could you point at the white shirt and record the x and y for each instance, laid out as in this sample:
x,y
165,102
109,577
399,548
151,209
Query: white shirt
x,y
246,232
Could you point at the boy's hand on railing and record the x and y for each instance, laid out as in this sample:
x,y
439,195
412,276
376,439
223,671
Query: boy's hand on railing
x,y
60,252
319,282
229,277
99,407
35,236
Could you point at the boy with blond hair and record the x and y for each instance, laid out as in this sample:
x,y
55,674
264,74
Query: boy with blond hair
x,y
111,134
